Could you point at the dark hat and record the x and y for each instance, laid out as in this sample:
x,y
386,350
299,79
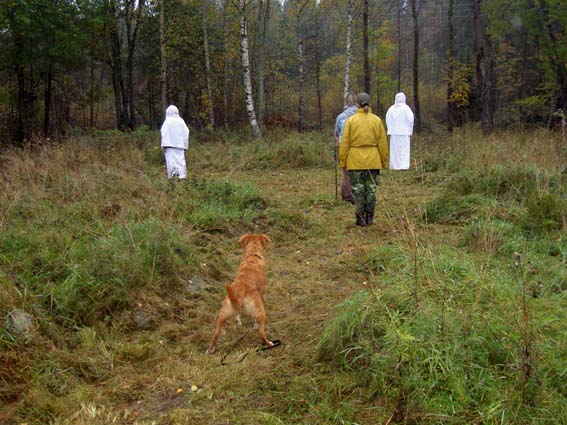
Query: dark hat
x,y
362,99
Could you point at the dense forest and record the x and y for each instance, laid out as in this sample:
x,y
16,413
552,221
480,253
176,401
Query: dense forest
x,y
70,66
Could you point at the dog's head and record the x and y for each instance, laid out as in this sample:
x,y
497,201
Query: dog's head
x,y
258,241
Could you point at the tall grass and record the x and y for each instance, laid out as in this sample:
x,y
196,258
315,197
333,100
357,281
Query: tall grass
x,y
91,233
478,346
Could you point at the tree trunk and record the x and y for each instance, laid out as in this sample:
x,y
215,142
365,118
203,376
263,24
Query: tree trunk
x,y
210,107
301,67
133,16
365,42
450,67
318,70
484,69
163,59
548,31
117,81
348,47
417,112
399,48
225,67
263,21
20,124
257,133
47,99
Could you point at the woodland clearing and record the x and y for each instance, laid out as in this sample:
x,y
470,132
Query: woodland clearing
x,y
124,275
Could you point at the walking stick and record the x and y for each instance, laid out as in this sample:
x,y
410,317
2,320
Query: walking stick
x,y
336,176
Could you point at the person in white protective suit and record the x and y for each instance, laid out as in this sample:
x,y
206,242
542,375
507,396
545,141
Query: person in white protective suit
x,y
399,120
174,142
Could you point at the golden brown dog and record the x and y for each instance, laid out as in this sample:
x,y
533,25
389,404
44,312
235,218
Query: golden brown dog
x,y
247,289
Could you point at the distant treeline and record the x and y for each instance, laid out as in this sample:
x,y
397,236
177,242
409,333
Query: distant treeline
x,y
74,66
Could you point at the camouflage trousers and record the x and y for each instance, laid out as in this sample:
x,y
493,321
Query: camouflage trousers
x,y
363,183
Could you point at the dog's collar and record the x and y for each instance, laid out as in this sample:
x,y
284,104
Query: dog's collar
x,y
261,257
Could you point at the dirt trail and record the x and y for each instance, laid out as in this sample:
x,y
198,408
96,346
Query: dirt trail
x,y
309,274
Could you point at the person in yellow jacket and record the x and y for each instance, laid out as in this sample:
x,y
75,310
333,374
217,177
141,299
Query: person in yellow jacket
x,y
363,152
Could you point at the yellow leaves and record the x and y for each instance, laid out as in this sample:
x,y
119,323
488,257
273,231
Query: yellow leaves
x,y
461,86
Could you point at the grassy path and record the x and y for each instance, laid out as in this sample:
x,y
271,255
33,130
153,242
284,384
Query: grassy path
x,y
309,275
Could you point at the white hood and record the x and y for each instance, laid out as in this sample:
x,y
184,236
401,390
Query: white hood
x,y
174,131
399,118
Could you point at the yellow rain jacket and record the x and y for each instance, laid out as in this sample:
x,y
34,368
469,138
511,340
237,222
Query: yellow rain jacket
x,y
364,144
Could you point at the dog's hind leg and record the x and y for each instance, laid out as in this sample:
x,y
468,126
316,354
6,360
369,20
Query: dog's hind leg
x,y
261,324
225,313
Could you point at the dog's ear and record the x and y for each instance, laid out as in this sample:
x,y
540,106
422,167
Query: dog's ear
x,y
265,240
244,239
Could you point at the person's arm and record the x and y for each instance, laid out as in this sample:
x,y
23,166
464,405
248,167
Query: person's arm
x,y
164,135
186,134
383,145
345,145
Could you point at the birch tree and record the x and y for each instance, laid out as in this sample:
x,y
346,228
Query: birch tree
x,y
249,100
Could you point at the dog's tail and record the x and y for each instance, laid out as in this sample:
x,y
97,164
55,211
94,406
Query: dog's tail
x,y
232,296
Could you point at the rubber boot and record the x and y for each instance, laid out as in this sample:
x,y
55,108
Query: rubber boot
x,y
360,221
369,218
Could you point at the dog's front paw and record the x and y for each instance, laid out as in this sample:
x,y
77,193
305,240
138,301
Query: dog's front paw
x,y
211,350
270,344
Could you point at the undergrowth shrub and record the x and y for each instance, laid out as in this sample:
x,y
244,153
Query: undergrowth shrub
x,y
83,278
452,209
545,212
214,202
504,182
458,352
493,235
275,151
521,195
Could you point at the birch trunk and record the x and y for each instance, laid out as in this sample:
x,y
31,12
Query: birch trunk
x,y
348,47
163,58
210,107
257,133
